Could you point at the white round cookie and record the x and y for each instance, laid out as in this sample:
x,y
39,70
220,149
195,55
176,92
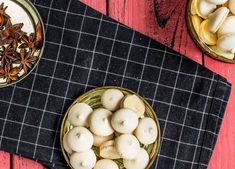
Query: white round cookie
x,y
84,160
111,99
140,162
134,103
80,139
146,131
79,113
127,146
100,122
124,121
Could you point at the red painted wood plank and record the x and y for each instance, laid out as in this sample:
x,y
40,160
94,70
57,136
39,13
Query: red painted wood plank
x,y
99,5
23,163
169,29
4,160
223,156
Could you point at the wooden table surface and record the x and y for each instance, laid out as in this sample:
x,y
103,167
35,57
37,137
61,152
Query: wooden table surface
x,y
169,28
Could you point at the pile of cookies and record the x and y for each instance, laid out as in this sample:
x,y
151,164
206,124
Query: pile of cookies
x,y
214,22
118,129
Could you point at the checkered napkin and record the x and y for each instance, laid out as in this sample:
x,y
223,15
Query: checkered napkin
x,y
85,49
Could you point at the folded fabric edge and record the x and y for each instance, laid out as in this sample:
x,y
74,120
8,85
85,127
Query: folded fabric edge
x,y
210,138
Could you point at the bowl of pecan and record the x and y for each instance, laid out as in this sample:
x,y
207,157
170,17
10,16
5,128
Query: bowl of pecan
x,y
22,40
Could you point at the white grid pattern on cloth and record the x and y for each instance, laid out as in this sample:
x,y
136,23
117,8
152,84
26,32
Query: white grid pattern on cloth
x,y
30,125
128,56
44,93
31,90
196,111
108,71
189,144
155,93
144,64
111,53
183,90
93,53
171,122
137,45
39,145
94,86
108,38
154,66
194,80
179,124
172,96
7,116
34,108
158,80
61,39
77,14
200,128
66,93
128,77
217,121
186,116
102,36
5,119
185,161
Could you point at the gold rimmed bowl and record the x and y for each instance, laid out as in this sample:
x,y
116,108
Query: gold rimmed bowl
x,y
193,23
21,12
93,98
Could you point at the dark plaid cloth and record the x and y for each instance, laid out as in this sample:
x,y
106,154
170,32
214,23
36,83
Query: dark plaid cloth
x,y
85,49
